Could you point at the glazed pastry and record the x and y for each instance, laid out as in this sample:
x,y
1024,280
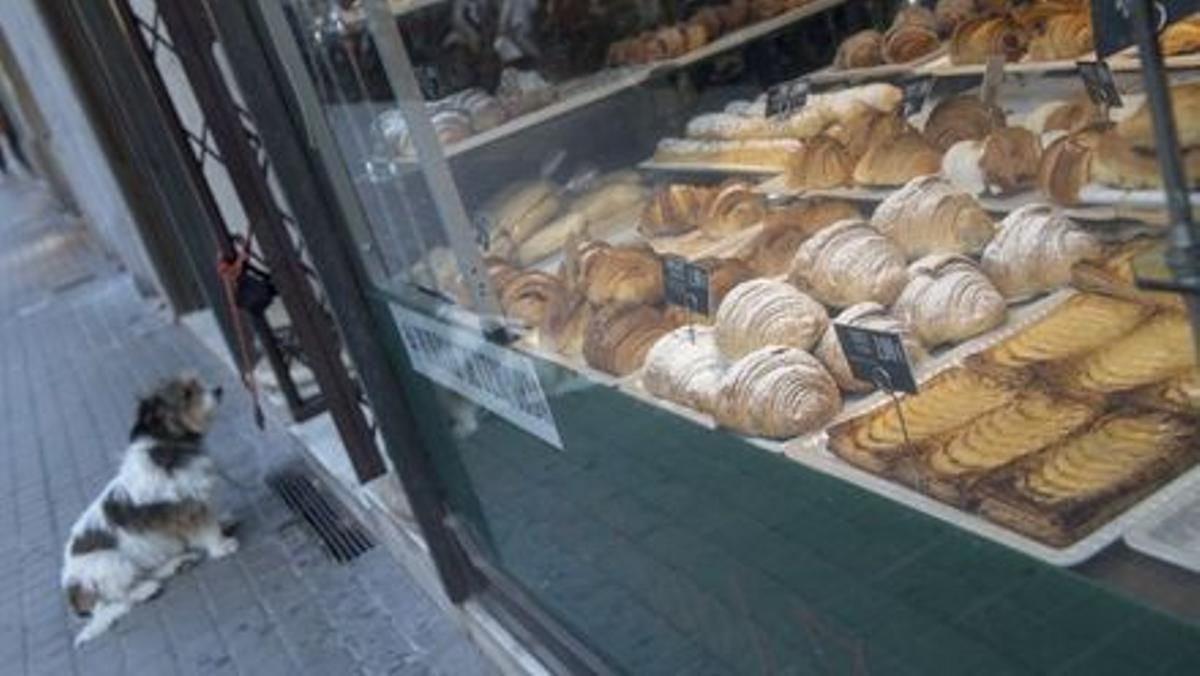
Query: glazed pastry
x,y
619,336
1004,162
777,392
946,402
976,39
1062,36
822,163
929,215
897,161
1066,165
870,316
1178,394
864,49
1181,37
527,295
949,300
785,229
621,274
565,323
1119,164
1034,249
961,118
1082,323
734,206
1160,348
764,312
674,209
684,366
848,263
1138,129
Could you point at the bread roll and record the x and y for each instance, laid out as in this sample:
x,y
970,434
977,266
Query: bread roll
x,y
734,206
784,229
897,161
674,209
929,215
1066,165
527,295
822,163
1034,249
621,274
948,300
565,322
1138,129
764,312
619,336
868,316
961,118
1062,36
864,49
777,392
685,366
848,263
976,39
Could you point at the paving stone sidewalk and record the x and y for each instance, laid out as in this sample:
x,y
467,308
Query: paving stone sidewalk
x,y
77,344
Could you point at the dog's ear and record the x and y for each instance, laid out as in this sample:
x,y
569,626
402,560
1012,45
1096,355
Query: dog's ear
x,y
149,417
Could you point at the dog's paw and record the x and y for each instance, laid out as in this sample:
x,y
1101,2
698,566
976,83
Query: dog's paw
x,y
224,547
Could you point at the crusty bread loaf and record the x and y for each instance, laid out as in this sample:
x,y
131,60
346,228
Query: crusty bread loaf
x,y
685,366
1065,35
1010,159
777,392
929,215
948,300
905,42
1034,250
772,154
763,312
1181,37
786,228
848,263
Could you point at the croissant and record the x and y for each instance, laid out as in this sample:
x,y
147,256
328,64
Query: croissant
x,y
621,274
1034,250
526,295
1119,164
948,300
822,163
929,215
734,206
777,392
961,118
764,312
1066,165
950,13
1181,37
674,209
908,42
864,49
914,15
847,263
1138,129
1010,159
897,161
723,275
1062,36
869,316
976,39
685,366
772,251
565,322
618,337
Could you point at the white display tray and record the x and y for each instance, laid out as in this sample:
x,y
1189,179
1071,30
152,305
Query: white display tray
x,y
1170,530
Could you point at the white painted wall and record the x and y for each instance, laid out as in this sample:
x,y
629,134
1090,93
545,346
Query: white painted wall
x,y
73,139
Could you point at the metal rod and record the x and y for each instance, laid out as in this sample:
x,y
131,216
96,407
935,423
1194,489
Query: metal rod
x,y
1183,241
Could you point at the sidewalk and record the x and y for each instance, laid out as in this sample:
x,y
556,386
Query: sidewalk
x,y
77,344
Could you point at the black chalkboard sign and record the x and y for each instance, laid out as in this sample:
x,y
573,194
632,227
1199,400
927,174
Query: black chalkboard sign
x,y
1098,80
877,357
915,92
1112,29
686,285
786,98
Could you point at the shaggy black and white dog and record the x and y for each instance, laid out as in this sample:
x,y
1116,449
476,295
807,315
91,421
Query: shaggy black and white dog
x,y
155,516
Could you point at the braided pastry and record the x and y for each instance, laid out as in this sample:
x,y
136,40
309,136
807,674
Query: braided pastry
x,y
777,392
685,366
869,316
1034,249
765,312
929,215
949,300
847,263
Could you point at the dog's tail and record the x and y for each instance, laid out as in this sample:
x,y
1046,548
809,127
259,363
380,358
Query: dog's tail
x,y
81,599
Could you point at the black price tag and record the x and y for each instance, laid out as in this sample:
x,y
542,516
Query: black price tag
x,y
877,357
1098,79
916,91
685,284
1112,27
786,98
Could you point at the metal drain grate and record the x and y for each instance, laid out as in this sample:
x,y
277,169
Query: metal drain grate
x,y
344,539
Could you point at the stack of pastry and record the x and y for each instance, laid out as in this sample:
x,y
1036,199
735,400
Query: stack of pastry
x,y
948,300
777,392
786,228
961,118
1034,250
685,367
848,263
1004,161
617,337
764,312
868,316
929,215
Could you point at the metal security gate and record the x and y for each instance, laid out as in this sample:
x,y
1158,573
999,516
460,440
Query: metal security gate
x,y
276,307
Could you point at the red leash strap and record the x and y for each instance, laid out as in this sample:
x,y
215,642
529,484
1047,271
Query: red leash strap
x,y
230,271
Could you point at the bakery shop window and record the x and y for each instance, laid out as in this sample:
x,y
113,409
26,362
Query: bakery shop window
x,y
719,475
